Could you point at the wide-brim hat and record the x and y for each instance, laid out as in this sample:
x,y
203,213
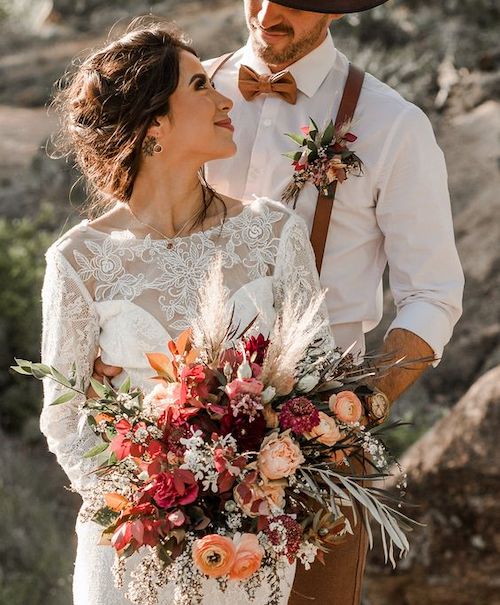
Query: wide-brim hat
x,y
331,6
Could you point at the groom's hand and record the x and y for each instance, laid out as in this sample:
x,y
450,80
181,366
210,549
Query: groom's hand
x,y
102,370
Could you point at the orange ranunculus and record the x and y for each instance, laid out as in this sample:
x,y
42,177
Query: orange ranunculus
x,y
326,432
214,555
346,406
249,555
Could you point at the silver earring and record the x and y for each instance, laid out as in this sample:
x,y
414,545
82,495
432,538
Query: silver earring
x,y
151,146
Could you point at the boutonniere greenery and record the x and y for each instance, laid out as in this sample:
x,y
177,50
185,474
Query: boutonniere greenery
x,y
323,159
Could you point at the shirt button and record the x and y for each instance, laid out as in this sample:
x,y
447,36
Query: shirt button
x,y
267,122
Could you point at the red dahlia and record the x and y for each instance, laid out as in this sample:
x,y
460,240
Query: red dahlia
x,y
300,415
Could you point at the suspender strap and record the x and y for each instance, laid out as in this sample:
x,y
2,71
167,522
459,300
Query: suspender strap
x,y
219,63
324,204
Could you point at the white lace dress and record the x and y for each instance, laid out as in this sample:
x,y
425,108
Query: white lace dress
x,y
128,296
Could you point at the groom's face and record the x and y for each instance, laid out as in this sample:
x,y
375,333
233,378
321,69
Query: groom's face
x,y
280,35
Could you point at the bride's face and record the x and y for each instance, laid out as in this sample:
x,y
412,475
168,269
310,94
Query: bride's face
x,y
197,126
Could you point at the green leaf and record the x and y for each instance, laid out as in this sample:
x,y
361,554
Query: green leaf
x,y
314,125
62,379
95,451
38,373
297,138
125,386
20,370
327,137
292,155
65,397
99,388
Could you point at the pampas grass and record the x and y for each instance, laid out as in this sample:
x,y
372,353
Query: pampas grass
x,y
294,331
213,322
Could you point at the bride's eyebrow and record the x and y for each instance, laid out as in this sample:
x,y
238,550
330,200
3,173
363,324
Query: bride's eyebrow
x,y
200,76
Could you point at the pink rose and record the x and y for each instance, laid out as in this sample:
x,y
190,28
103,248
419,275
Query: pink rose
x,y
248,557
326,432
346,406
279,456
239,386
174,488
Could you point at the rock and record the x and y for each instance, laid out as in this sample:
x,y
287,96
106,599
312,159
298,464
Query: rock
x,y
453,477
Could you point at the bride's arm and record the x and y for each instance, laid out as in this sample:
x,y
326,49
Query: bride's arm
x,y
70,335
296,271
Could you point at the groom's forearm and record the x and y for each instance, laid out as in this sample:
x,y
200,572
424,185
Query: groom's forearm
x,y
403,343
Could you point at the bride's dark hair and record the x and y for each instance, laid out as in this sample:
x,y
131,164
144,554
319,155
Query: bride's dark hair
x,y
108,103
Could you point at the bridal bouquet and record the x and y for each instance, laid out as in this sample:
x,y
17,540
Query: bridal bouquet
x,y
240,461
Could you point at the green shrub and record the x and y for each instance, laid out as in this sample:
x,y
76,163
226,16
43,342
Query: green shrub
x,y
22,265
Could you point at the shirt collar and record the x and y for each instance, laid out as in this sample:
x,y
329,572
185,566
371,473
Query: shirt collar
x,y
309,71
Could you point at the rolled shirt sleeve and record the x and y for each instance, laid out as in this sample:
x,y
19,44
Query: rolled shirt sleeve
x,y
414,214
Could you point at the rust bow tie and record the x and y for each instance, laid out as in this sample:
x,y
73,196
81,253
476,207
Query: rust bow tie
x,y
252,84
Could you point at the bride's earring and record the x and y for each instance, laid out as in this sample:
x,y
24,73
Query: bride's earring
x,y
151,146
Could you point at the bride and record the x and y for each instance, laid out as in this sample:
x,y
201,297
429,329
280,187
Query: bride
x,y
141,118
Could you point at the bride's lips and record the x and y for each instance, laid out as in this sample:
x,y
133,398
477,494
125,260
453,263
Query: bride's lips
x,y
225,124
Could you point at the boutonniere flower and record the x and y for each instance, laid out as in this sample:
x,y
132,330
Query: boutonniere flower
x,y
323,159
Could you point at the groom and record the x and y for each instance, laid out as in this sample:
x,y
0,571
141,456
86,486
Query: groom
x,y
396,212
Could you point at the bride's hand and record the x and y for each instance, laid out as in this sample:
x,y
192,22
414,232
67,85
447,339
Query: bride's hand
x,y
101,370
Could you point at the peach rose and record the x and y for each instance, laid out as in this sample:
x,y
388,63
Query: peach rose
x,y
279,456
249,555
161,397
254,503
274,492
326,432
214,555
346,406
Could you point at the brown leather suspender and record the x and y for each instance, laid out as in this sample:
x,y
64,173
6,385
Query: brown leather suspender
x,y
219,63
324,204
345,113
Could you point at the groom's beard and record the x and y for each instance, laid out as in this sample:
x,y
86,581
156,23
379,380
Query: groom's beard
x,y
291,53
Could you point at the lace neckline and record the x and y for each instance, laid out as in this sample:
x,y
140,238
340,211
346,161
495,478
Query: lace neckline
x,y
126,234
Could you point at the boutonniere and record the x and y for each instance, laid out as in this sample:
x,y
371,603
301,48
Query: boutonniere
x,y
323,159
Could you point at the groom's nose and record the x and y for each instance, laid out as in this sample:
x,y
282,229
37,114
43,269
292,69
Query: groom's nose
x,y
270,14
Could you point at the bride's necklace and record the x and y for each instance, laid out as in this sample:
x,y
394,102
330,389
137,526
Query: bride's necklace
x,y
169,239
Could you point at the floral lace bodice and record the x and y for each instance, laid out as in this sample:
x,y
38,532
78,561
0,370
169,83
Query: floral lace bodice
x,y
127,296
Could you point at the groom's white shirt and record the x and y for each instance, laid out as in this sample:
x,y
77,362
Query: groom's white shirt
x,y
397,211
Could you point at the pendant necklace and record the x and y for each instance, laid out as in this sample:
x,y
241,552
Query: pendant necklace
x,y
170,243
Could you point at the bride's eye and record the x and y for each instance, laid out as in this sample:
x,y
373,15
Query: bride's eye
x,y
201,83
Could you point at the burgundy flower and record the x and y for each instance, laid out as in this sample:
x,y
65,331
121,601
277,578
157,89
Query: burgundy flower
x,y
172,436
300,415
293,535
257,345
248,432
174,488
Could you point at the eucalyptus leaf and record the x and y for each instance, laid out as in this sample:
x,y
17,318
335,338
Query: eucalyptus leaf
x,y
60,377
99,388
64,398
297,138
21,370
125,386
95,451
327,137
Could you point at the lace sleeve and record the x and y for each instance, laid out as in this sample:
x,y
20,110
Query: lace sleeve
x,y
296,270
70,335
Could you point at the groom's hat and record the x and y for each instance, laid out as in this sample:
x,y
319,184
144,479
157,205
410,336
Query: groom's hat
x,y
331,6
